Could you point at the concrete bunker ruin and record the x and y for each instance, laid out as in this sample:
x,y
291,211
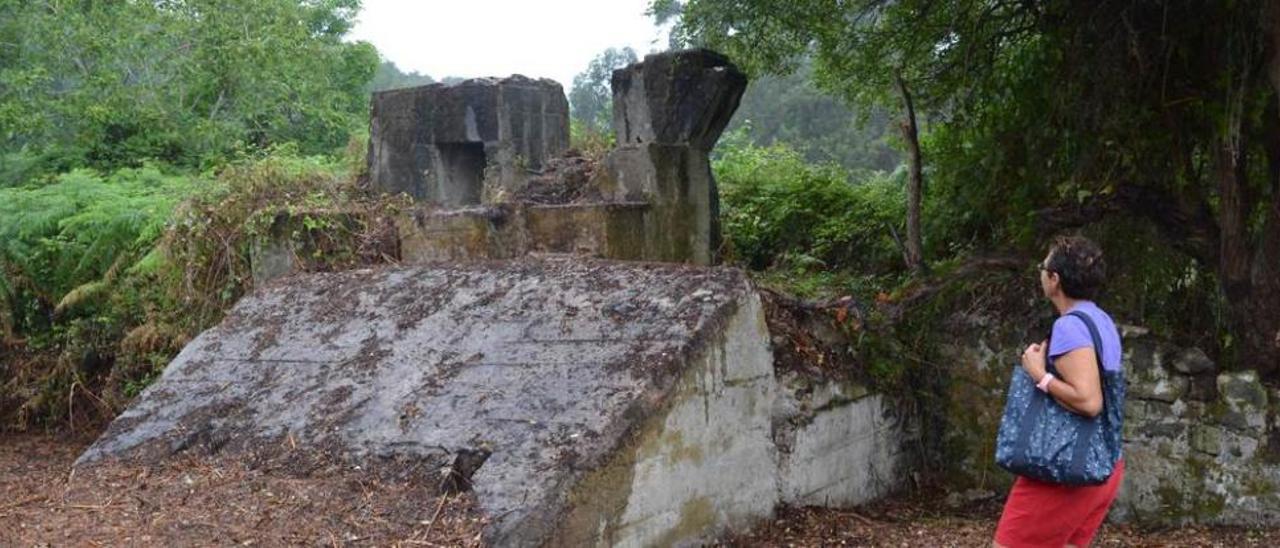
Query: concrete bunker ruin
x,y
652,198
436,142
598,401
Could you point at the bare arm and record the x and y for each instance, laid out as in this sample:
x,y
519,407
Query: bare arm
x,y
1077,385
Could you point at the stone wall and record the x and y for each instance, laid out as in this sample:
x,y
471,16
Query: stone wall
x,y
1201,445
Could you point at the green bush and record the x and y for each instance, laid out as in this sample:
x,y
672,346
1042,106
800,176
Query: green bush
x,y
207,251
777,209
589,140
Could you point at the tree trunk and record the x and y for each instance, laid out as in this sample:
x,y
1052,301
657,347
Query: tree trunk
x,y
1233,248
915,181
1271,18
1234,257
1265,301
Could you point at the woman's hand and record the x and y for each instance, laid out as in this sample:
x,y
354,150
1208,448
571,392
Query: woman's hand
x,y
1033,360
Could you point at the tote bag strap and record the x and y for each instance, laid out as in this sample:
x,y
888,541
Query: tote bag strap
x,y
1085,434
1097,342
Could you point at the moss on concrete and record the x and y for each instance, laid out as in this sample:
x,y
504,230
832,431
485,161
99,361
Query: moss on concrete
x,y
697,516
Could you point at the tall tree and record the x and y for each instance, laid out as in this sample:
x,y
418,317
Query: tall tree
x,y
1055,114
591,98
915,178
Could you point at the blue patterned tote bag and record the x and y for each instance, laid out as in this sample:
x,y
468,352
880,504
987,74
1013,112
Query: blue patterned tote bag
x,y
1041,439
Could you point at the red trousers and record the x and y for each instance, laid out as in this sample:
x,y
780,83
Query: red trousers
x,y
1041,514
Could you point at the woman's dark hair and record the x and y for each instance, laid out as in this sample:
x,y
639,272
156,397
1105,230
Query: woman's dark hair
x,y
1079,265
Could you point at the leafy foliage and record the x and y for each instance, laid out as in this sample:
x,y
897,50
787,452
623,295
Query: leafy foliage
x,y
107,276
1154,121
145,149
64,243
591,141
109,84
207,251
777,209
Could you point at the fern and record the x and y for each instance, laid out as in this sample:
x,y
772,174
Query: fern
x,y
67,234
130,264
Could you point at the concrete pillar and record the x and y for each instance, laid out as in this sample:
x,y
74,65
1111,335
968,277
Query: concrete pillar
x,y
668,112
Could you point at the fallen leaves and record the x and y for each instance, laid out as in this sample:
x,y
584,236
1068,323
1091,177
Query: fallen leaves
x,y
195,501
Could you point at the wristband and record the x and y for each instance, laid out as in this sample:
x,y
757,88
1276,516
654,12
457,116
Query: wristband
x,y
1043,385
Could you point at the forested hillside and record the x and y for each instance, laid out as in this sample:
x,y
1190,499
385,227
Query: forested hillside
x,y
110,84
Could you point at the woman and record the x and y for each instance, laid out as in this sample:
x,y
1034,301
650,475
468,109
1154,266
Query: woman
x,y
1046,514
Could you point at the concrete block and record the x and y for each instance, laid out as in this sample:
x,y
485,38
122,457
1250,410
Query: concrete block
x,y
443,143
609,230
676,97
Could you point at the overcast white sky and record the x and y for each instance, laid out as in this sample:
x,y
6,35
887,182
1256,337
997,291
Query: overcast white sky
x,y
537,38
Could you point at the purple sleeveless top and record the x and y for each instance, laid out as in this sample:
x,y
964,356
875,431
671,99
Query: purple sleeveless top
x,y
1069,333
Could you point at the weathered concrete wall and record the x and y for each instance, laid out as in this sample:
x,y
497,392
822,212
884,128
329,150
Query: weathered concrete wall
x,y
682,223
485,144
704,463
606,230
839,444
676,98
476,233
584,402
668,113
600,230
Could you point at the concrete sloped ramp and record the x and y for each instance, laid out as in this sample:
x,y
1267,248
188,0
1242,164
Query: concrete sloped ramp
x,y
589,402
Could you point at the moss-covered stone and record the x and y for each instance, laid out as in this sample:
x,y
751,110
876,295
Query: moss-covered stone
x,y
1206,439
1242,389
1260,485
1154,382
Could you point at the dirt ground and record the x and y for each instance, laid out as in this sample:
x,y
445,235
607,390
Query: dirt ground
x,y
204,501
924,519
